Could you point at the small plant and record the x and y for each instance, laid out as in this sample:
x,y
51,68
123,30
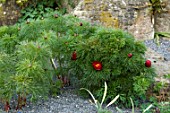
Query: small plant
x,y
141,85
133,108
98,105
161,34
156,6
157,107
37,10
164,107
19,2
41,9
161,91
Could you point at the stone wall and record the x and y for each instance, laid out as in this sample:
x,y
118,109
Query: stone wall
x,y
133,16
163,19
9,13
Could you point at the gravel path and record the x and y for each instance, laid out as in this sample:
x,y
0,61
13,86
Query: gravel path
x,y
163,48
67,102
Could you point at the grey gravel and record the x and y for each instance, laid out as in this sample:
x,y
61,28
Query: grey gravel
x,y
67,102
163,47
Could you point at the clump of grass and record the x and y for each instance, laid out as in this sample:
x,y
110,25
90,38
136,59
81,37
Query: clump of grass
x,y
98,105
161,34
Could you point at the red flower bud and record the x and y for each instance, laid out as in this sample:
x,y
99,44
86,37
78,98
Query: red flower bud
x,y
74,55
81,24
27,22
97,65
55,16
130,55
148,63
19,28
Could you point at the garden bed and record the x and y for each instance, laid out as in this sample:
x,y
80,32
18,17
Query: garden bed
x,y
69,101
87,55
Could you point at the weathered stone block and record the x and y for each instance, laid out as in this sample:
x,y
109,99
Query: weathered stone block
x,y
9,13
130,15
162,21
88,1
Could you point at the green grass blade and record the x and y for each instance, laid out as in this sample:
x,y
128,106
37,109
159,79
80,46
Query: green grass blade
x,y
95,101
164,34
147,108
119,110
157,39
133,108
105,92
114,100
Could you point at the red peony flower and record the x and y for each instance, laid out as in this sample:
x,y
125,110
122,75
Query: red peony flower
x,y
148,63
97,65
130,55
74,55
